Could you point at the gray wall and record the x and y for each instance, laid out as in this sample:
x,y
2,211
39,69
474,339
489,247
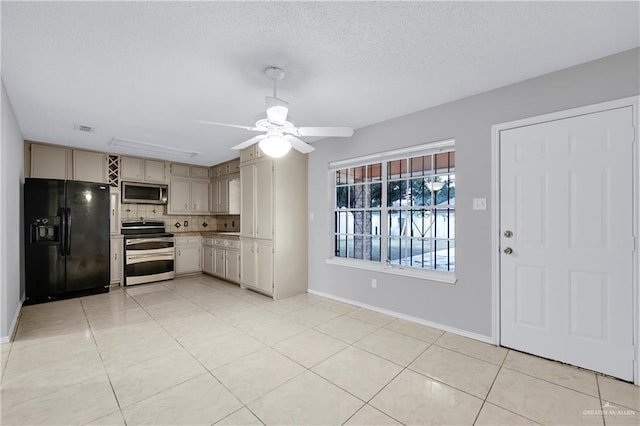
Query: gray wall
x,y
11,190
466,305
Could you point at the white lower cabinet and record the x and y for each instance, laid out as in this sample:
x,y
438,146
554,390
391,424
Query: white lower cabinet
x,y
188,253
117,265
257,264
222,257
207,258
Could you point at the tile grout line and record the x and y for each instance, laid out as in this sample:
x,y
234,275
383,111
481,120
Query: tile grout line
x,y
104,367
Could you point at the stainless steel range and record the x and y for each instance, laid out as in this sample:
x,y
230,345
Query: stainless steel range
x,y
149,252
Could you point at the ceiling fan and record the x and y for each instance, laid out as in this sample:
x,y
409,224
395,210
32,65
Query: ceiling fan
x,y
281,134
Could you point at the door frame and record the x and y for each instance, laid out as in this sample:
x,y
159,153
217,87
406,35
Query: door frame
x,y
632,101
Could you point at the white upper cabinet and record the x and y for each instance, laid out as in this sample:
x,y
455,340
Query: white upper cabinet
x,y
89,166
131,169
154,171
179,170
199,172
141,170
179,196
200,196
50,162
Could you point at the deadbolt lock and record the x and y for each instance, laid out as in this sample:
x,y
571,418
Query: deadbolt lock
x,y
508,234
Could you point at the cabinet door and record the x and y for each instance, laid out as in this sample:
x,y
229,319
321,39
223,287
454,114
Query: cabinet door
x,y
131,169
187,259
89,166
213,199
116,266
264,200
207,259
154,171
247,205
234,193
200,196
114,211
233,265
219,264
180,170
179,196
248,264
223,195
50,162
234,166
199,172
264,266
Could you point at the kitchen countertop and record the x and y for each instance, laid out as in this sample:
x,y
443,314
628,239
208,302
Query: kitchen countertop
x,y
209,234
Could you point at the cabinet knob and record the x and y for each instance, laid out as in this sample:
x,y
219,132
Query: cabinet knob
x,y
186,207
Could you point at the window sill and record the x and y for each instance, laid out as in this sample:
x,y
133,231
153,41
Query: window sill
x,y
444,277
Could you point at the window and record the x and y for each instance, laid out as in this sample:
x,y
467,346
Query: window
x,y
398,210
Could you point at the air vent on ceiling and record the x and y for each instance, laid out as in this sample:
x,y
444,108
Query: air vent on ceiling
x,y
83,128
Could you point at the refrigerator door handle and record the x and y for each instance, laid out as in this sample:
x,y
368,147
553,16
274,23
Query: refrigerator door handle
x,y
68,229
63,227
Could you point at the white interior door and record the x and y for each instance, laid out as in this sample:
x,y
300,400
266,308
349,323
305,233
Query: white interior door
x,y
566,240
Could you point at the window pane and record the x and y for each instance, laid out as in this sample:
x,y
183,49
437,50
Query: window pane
x,y
396,193
397,169
420,194
444,255
420,165
358,247
418,253
342,196
395,250
375,249
359,174
398,222
442,224
442,162
341,177
374,172
341,222
376,195
350,251
376,225
451,189
356,196
358,222
341,246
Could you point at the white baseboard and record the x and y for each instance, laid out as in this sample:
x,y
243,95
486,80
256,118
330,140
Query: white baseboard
x,y
7,339
454,330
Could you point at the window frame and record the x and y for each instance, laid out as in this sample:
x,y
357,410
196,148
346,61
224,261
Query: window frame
x,y
384,265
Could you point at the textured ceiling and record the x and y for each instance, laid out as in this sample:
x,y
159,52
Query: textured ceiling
x,y
144,70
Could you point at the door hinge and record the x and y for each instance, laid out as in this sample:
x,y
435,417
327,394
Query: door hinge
x,y
633,243
633,134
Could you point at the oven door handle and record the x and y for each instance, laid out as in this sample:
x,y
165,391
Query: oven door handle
x,y
149,258
149,240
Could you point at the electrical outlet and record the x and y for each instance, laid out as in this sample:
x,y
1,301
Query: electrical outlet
x,y
374,283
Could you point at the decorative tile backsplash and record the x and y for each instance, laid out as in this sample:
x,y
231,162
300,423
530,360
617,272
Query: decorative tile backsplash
x,y
177,224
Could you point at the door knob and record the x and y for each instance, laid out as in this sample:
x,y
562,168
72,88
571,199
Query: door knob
x,y
508,234
508,250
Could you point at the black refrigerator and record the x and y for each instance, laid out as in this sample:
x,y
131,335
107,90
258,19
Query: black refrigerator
x,y
66,239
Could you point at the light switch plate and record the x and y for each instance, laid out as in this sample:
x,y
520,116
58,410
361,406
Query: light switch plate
x,y
479,203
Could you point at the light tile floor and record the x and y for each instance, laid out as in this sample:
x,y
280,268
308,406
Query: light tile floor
x,y
198,351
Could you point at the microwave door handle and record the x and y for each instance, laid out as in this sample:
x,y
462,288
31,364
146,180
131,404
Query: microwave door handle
x,y
68,228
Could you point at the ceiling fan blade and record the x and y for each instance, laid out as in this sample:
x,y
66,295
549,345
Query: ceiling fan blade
x,y
249,142
341,132
226,125
277,109
298,144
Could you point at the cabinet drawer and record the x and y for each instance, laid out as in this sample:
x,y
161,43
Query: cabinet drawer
x,y
181,241
220,242
207,241
233,244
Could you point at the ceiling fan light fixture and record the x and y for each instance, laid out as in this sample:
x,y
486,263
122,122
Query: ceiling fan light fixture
x,y
275,145
277,110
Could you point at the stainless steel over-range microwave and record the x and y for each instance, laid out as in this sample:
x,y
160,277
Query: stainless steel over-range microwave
x,y
144,193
